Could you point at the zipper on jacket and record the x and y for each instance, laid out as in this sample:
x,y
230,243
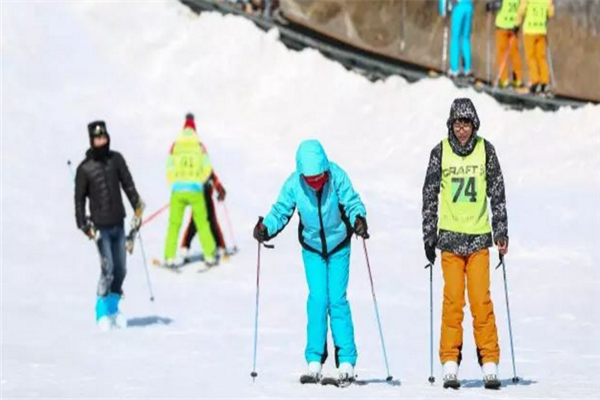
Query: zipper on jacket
x,y
322,231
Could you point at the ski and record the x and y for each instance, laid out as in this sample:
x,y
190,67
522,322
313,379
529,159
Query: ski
x,y
130,240
493,384
306,378
161,264
328,380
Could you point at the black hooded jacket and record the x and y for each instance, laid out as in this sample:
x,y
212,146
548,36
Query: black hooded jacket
x,y
456,242
101,180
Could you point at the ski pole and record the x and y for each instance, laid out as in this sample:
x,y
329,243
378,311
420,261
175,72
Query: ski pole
x,y
389,377
155,214
229,225
431,377
445,46
71,169
549,56
488,24
254,374
149,283
504,61
403,31
515,379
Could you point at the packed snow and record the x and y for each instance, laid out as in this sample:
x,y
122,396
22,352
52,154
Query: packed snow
x,y
141,66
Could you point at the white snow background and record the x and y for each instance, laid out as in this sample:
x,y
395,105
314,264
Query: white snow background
x,y
141,65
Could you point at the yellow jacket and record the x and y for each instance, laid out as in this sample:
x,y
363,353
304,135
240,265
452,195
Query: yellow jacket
x,y
525,9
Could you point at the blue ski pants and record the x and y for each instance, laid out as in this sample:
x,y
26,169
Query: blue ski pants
x,y
460,36
327,280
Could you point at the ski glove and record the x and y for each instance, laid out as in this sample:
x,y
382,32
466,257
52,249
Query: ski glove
x,y
260,231
139,209
430,250
360,227
89,229
493,5
221,193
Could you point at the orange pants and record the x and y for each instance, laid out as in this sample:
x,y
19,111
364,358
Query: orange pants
x,y
535,54
504,39
476,267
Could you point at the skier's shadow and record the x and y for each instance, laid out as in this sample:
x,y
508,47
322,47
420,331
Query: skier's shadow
x,y
147,321
474,383
363,382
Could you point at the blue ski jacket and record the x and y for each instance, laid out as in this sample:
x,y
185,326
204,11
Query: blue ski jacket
x,y
326,216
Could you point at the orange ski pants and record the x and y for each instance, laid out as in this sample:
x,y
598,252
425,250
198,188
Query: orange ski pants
x,y
507,51
476,269
535,54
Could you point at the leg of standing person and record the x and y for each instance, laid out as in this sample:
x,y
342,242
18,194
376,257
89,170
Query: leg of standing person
x,y
454,42
188,235
106,273
119,259
467,21
215,229
315,269
178,203
451,339
342,328
532,66
542,60
515,58
502,42
207,242
482,308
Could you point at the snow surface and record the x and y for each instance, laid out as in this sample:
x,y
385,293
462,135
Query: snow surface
x,y
141,66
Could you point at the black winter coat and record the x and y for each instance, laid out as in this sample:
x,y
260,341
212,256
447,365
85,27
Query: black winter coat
x,y
101,182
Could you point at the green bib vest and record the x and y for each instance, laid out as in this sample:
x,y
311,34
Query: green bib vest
x,y
188,162
463,195
507,16
536,17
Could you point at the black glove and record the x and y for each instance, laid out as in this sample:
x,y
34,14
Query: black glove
x,y
516,29
260,231
493,5
430,250
89,229
221,193
360,227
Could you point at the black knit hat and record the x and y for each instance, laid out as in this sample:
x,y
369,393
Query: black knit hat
x,y
463,108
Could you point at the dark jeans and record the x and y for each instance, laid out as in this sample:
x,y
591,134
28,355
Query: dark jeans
x,y
111,246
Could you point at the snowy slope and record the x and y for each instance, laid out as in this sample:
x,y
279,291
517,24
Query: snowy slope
x,y
141,66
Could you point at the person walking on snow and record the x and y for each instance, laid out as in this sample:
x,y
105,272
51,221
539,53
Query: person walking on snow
x,y
188,170
213,183
461,12
507,43
330,211
533,15
463,172
99,178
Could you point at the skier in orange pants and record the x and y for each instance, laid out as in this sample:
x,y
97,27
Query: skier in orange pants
x,y
463,172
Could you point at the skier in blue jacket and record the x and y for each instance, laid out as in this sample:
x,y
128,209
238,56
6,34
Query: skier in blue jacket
x,y
330,212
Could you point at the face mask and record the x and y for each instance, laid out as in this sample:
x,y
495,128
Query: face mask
x,y
317,181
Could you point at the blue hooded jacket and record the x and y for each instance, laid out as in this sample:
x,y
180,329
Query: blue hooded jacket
x,y
326,216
